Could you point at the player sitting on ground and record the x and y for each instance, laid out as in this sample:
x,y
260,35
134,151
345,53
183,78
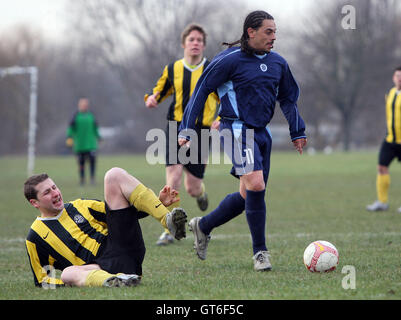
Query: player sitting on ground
x,y
95,243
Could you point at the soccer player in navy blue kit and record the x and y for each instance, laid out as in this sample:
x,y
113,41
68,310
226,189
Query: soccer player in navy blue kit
x,y
249,80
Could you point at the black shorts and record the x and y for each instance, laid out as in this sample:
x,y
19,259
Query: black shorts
x,y
124,249
389,151
198,168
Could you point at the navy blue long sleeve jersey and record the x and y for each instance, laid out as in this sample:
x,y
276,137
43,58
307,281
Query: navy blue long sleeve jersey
x,y
248,87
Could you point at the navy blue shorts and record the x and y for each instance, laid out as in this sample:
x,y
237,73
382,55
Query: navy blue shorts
x,y
248,148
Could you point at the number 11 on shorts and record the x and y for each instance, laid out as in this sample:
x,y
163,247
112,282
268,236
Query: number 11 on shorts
x,y
249,155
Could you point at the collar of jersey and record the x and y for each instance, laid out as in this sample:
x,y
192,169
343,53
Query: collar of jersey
x,y
52,218
260,56
197,66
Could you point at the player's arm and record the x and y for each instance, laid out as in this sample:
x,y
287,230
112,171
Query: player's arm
x,y
71,132
287,96
42,267
96,129
216,74
161,91
216,122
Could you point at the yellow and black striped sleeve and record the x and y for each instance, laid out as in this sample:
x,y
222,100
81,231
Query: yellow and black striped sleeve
x,y
393,116
41,261
163,86
179,79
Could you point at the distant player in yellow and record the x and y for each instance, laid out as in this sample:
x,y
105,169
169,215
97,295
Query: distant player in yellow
x,y
391,146
179,79
95,243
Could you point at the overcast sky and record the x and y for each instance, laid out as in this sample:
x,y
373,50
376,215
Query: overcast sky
x,y
49,13
35,12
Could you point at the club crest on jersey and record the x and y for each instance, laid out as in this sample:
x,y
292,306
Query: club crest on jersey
x,y
78,219
263,67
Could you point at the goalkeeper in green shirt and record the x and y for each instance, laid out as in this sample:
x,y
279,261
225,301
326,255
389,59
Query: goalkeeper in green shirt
x,y
83,136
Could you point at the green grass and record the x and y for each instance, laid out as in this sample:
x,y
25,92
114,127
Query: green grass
x,y
309,198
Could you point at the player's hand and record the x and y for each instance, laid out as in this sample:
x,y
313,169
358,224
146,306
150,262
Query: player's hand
x,y
168,196
215,125
299,144
151,101
184,142
69,142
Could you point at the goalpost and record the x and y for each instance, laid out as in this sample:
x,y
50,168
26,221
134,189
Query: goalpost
x,y
33,72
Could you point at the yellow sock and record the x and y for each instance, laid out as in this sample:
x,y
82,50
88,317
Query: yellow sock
x,y
382,187
170,208
144,199
96,278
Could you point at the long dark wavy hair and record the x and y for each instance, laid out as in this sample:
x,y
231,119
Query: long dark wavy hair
x,y
253,20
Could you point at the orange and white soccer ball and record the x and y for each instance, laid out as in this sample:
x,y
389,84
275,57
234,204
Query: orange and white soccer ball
x,y
321,256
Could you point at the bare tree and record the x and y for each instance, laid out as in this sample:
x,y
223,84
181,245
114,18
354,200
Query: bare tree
x,y
344,68
62,79
134,39
113,53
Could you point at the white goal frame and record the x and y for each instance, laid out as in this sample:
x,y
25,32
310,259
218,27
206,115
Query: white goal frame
x,y
33,97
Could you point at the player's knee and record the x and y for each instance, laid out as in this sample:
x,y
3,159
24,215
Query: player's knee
x,y
256,186
113,175
74,276
68,276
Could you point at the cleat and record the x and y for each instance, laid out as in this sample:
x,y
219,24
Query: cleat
x,y
399,210
261,261
175,221
377,206
202,201
201,240
122,280
165,239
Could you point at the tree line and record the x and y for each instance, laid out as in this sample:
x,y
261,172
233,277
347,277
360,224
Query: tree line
x,y
114,51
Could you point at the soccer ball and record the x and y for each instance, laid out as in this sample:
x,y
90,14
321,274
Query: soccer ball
x,y
321,256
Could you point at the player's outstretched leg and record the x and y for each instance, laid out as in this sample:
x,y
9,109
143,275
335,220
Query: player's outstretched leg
x,y
201,240
230,207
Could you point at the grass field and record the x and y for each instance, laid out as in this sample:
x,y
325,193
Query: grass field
x,y
320,197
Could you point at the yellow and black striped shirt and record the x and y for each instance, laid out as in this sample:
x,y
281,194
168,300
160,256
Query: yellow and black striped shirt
x,y
179,79
393,116
71,238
